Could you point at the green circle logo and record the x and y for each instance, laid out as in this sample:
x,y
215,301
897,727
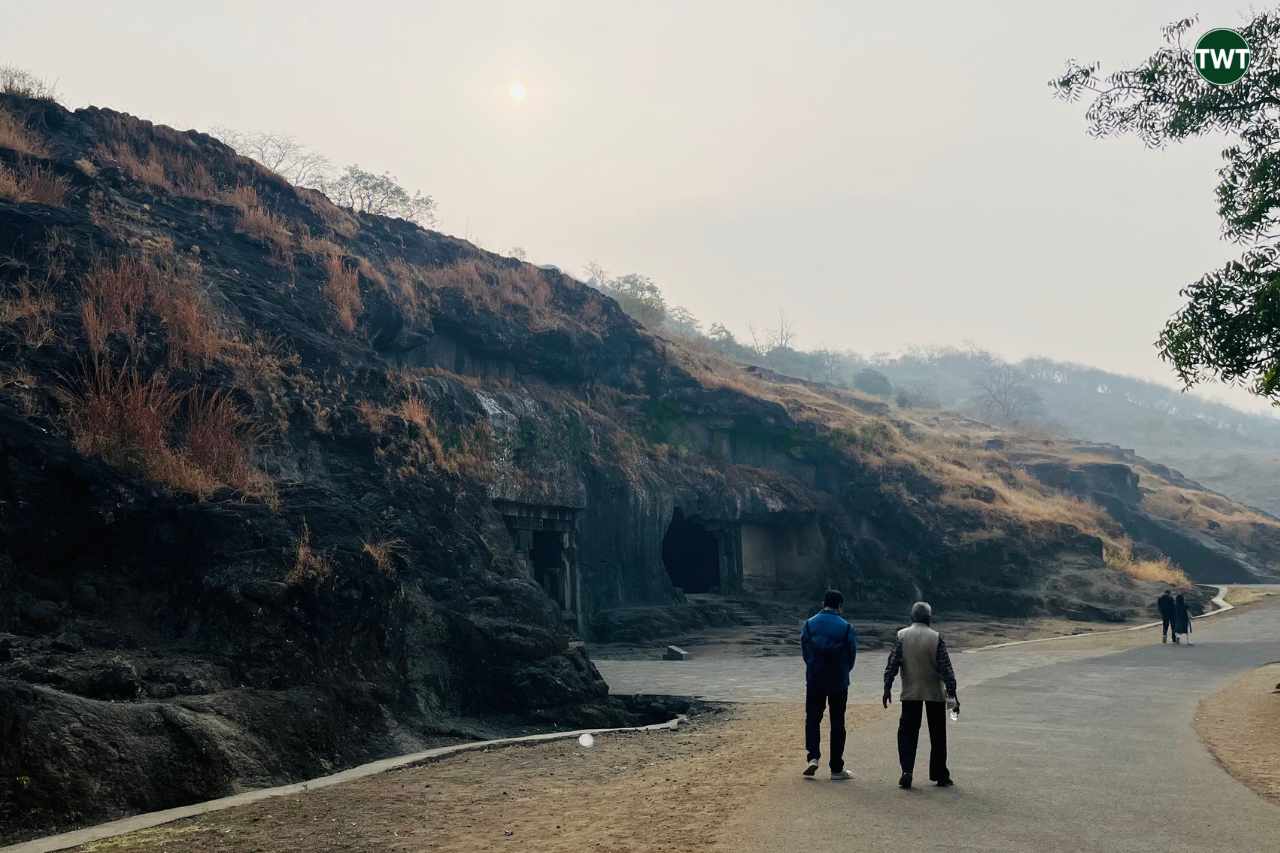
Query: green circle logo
x,y
1221,56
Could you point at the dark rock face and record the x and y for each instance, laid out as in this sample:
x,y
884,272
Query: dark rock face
x,y
1114,487
1088,480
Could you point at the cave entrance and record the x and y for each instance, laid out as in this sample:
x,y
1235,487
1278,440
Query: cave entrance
x,y
691,555
549,566
546,539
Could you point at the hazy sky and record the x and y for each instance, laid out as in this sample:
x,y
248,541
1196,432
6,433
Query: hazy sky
x,y
888,175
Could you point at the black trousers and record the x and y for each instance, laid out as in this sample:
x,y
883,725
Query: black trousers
x,y
909,737
816,700
1164,628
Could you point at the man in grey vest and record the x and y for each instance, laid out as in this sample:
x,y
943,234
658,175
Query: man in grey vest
x,y
921,656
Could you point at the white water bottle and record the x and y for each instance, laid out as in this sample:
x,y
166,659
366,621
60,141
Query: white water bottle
x,y
953,708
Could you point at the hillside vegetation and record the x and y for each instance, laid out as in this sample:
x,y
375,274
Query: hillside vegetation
x,y
280,481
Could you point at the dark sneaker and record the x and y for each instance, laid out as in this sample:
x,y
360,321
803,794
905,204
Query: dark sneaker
x,y
946,783
904,782
841,775
811,769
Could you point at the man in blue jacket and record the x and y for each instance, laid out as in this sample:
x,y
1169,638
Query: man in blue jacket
x,y
829,645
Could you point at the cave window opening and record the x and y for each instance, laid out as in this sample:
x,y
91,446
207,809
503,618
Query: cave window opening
x,y
547,556
691,555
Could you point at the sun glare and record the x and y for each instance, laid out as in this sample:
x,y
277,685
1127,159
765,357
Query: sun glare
x,y
517,91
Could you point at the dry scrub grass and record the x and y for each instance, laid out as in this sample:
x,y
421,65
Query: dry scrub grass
x,y
384,553
259,359
158,166
31,311
115,295
130,420
496,288
1120,556
310,567
342,289
31,182
319,247
16,136
1206,513
260,223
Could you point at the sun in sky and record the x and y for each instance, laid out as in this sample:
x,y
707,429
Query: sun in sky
x,y
517,90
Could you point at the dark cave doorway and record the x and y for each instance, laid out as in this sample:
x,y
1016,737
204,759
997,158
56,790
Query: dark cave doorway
x,y
547,556
691,555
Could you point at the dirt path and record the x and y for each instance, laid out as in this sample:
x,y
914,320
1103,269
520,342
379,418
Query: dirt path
x,y
665,792
1239,725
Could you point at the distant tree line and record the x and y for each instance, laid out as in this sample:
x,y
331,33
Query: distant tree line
x,y
353,187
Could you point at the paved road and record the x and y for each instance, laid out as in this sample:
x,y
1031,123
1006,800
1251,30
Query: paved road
x,y
1082,753
1072,745
781,679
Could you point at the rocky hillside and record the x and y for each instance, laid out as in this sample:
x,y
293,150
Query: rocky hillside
x,y
285,487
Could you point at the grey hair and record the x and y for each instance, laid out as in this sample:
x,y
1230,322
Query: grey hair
x,y
921,612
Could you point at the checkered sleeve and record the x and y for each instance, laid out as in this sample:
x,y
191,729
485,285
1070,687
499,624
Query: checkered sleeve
x,y
892,667
945,669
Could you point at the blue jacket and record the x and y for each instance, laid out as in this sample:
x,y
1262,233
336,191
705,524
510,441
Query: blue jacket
x,y
829,645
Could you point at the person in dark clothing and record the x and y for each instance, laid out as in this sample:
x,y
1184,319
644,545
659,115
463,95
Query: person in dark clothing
x,y
920,654
1165,605
1181,619
830,646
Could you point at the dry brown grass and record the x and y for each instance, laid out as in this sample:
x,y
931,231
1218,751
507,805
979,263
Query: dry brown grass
x,y
407,290
415,411
129,421
31,311
260,223
146,168
335,218
1207,513
220,442
31,182
369,271
373,416
310,566
259,359
159,167
191,330
1120,557
117,293
123,417
16,136
342,289
319,247
498,288
383,554
114,296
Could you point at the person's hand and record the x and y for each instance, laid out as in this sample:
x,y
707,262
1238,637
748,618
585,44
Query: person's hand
x,y
955,701
886,699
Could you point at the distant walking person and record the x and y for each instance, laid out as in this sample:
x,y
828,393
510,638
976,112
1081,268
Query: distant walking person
x,y
829,645
1181,619
1165,604
921,656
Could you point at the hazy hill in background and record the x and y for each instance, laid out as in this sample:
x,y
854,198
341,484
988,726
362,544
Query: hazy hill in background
x,y
1225,448
1229,450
